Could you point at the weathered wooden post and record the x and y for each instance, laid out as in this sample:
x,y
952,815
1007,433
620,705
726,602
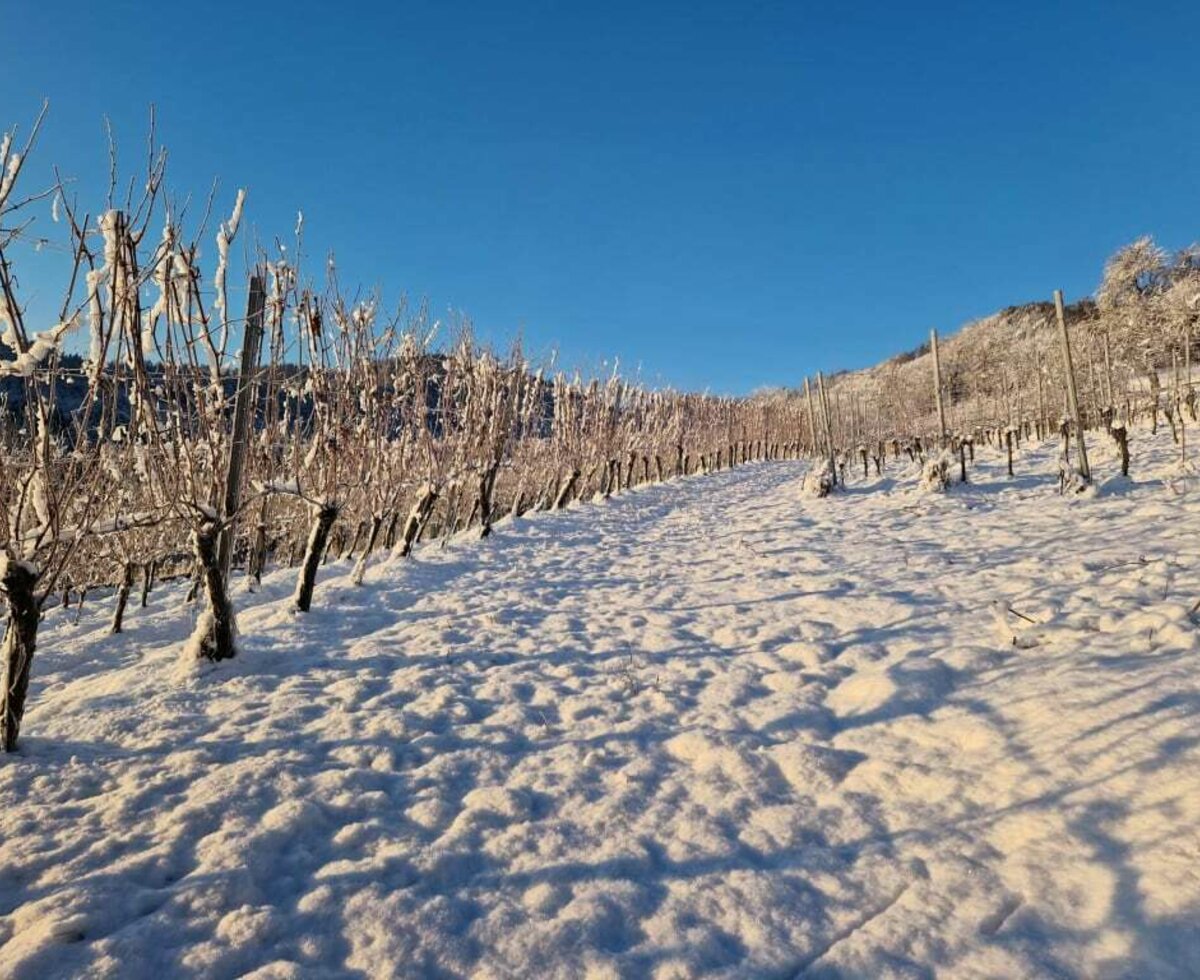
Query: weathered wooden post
x,y
812,417
1072,394
828,426
1189,393
1108,372
1042,420
1008,412
937,388
242,411
1179,408
1189,396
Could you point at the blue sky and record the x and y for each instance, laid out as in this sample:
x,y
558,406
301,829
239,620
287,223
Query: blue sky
x,y
728,195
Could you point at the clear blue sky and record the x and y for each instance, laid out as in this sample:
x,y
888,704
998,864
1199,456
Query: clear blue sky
x,y
729,195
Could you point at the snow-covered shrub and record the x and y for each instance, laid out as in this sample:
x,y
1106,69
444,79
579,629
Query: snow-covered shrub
x,y
818,481
939,473
1070,480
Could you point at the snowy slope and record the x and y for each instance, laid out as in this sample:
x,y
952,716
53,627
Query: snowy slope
x,y
708,729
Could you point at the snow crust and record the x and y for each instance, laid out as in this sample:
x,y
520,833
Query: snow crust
x,y
713,729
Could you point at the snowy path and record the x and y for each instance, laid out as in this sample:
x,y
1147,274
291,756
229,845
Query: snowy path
x,y
716,729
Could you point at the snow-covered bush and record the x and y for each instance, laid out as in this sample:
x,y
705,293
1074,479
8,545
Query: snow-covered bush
x,y
1070,480
939,473
818,481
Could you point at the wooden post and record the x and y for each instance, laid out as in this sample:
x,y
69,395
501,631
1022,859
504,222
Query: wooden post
x,y
828,426
1108,372
937,388
1182,433
812,417
1072,394
1093,385
242,411
1187,355
1179,407
1042,420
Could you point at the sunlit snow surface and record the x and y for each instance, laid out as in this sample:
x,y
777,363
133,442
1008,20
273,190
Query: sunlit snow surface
x,y
716,728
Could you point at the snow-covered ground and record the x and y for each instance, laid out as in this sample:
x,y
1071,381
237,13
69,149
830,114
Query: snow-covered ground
x,y
715,728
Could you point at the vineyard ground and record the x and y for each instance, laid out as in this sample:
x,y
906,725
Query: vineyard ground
x,y
712,728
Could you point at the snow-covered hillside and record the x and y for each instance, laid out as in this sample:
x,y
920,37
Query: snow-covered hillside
x,y
712,728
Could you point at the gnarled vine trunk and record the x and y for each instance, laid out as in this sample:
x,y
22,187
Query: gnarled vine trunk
x,y
564,493
16,652
216,631
318,539
360,567
487,486
123,590
416,521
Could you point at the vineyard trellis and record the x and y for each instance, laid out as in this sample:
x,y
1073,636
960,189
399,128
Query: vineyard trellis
x,y
354,422
181,446
1005,379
